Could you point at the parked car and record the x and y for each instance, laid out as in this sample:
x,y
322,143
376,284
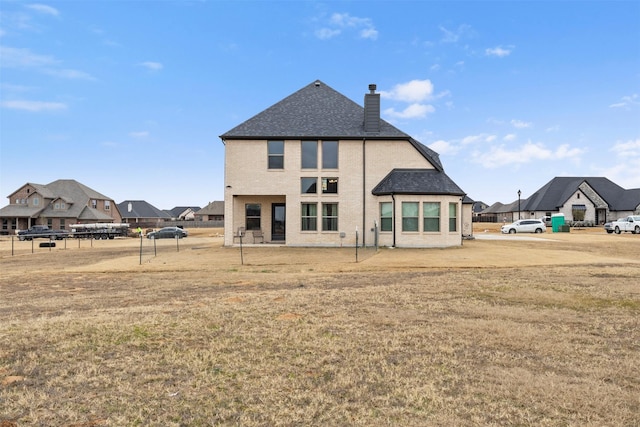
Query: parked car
x,y
168,233
608,227
525,226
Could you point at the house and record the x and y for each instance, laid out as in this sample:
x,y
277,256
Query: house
x,y
142,213
58,205
183,213
214,211
591,200
317,169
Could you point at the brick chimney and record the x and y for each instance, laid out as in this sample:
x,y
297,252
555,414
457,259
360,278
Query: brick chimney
x,y
372,110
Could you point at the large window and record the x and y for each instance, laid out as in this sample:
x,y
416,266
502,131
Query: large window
x,y
410,216
36,201
578,212
309,185
252,216
386,216
431,216
453,216
330,217
329,185
309,216
330,154
309,155
276,154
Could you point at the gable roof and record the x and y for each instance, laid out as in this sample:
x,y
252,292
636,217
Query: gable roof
x,y
557,191
319,112
140,209
178,210
417,181
213,208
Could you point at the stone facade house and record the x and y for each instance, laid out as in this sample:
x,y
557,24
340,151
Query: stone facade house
x,y
317,169
58,205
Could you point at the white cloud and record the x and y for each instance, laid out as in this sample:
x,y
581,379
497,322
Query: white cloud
x,y
453,36
343,21
498,156
413,91
23,58
498,51
43,8
473,139
413,111
139,134
151,65
520,124
509,137
70,74
627,101
444,147
33,106
629,148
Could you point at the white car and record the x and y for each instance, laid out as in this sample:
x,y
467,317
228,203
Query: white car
x,y
525,226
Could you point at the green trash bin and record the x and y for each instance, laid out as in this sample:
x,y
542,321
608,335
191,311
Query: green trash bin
x,y
557,220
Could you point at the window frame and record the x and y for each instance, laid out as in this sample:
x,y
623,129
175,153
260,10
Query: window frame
x,y
308,220
411,222
314,185
308,155
275,158
453,217
330,160
386,221
428,221
329,220
329,184
251,220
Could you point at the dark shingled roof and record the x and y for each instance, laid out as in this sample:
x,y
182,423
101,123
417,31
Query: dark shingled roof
x,y
319,112
141,209
417,181
557,191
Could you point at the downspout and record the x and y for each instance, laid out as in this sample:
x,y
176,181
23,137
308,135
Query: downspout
x,y
364,191
393,221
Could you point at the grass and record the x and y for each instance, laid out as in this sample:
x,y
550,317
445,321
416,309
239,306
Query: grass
x,y
305,343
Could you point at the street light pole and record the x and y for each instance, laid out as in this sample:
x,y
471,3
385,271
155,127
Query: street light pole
x,y
519,192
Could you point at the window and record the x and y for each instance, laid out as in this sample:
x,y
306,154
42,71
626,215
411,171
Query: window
x,y
309,216
409,216
386,216
36,201
330,154
309,155
329,185
578,212
94,203
56,206
309,185
62,205
276,154
431,216
453,218
330,217
61,224
252,216
50,223
107,205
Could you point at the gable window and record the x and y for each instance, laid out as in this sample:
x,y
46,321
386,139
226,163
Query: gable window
x,y
329,185
309,185
309,216
36,201
309,151
107,205
94,203
330,154
386,216
409,216
453,216
578,212
56,206
329,217
431,216
276,154
252,216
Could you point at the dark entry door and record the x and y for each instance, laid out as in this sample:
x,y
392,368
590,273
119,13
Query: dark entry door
x,y
278,222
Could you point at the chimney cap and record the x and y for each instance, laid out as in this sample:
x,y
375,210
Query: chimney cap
x,y
372,87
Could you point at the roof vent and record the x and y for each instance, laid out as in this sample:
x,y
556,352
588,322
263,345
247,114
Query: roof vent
x,y
372,88
317,83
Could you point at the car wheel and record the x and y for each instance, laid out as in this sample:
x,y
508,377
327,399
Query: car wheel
x,y
538,230
636,230
617,230
512,231
609,231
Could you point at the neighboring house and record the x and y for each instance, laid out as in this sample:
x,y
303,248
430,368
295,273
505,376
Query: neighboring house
x,y
214,211
183,213
142,213
594,200
315,168
58,205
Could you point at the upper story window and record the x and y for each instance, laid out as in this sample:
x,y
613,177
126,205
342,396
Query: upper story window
x,y
276,154
309,185
94,203
36,201
107,205
329,185
309,153
330,154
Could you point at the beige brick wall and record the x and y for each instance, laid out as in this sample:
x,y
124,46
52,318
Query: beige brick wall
x,y
248,180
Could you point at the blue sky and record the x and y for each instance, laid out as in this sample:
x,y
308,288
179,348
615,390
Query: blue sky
x,y
130,97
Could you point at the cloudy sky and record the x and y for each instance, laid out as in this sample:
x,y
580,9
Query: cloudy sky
x,y
130,97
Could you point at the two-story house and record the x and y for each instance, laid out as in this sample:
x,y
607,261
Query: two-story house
x,y
58,205
317,169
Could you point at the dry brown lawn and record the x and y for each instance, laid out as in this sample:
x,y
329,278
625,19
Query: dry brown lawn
x,y
534,332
